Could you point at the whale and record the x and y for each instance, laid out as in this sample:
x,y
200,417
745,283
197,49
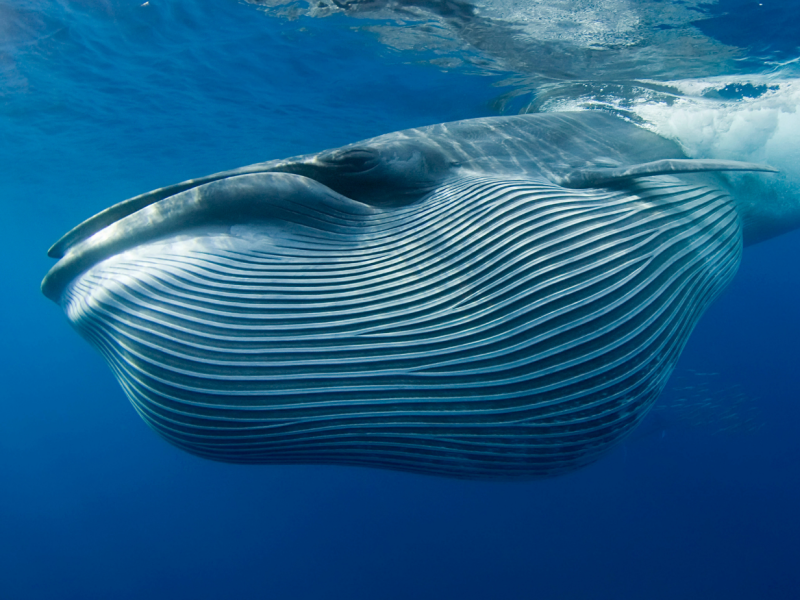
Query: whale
x,y
494,298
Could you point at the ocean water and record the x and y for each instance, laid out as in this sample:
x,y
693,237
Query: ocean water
x,y
101,100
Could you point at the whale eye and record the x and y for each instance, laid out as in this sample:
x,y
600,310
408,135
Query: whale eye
x,y
351,160
606,162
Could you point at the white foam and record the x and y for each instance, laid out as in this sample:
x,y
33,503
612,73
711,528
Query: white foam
x,y
762,129
765,129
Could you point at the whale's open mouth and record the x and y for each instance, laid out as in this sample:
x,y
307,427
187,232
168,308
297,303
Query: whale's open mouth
x,y
239,199
386,175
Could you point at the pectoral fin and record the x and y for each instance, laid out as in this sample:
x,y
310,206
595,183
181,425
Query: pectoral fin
x,y
587,178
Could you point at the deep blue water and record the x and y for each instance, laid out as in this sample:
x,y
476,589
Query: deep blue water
x,y
102,100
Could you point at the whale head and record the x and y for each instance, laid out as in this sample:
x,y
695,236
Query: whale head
x,y
495,298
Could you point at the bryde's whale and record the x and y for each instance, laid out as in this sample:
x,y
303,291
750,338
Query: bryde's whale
x,y
495,298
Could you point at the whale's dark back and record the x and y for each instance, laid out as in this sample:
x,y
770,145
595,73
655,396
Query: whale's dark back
x,y
498,328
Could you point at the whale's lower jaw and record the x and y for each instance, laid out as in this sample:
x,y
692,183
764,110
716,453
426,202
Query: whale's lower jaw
x,y
496,329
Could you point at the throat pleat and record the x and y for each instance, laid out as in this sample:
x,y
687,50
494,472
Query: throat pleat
x,y
497,328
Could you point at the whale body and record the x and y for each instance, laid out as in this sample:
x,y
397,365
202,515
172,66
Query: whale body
x,y
495,298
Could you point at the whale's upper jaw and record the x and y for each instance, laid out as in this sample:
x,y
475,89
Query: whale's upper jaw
x,y
580,150
586,149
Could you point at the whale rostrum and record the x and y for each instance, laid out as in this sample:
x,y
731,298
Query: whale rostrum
x,y
496,298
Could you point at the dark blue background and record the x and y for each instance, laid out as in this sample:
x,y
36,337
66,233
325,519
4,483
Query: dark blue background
x,y
101,101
